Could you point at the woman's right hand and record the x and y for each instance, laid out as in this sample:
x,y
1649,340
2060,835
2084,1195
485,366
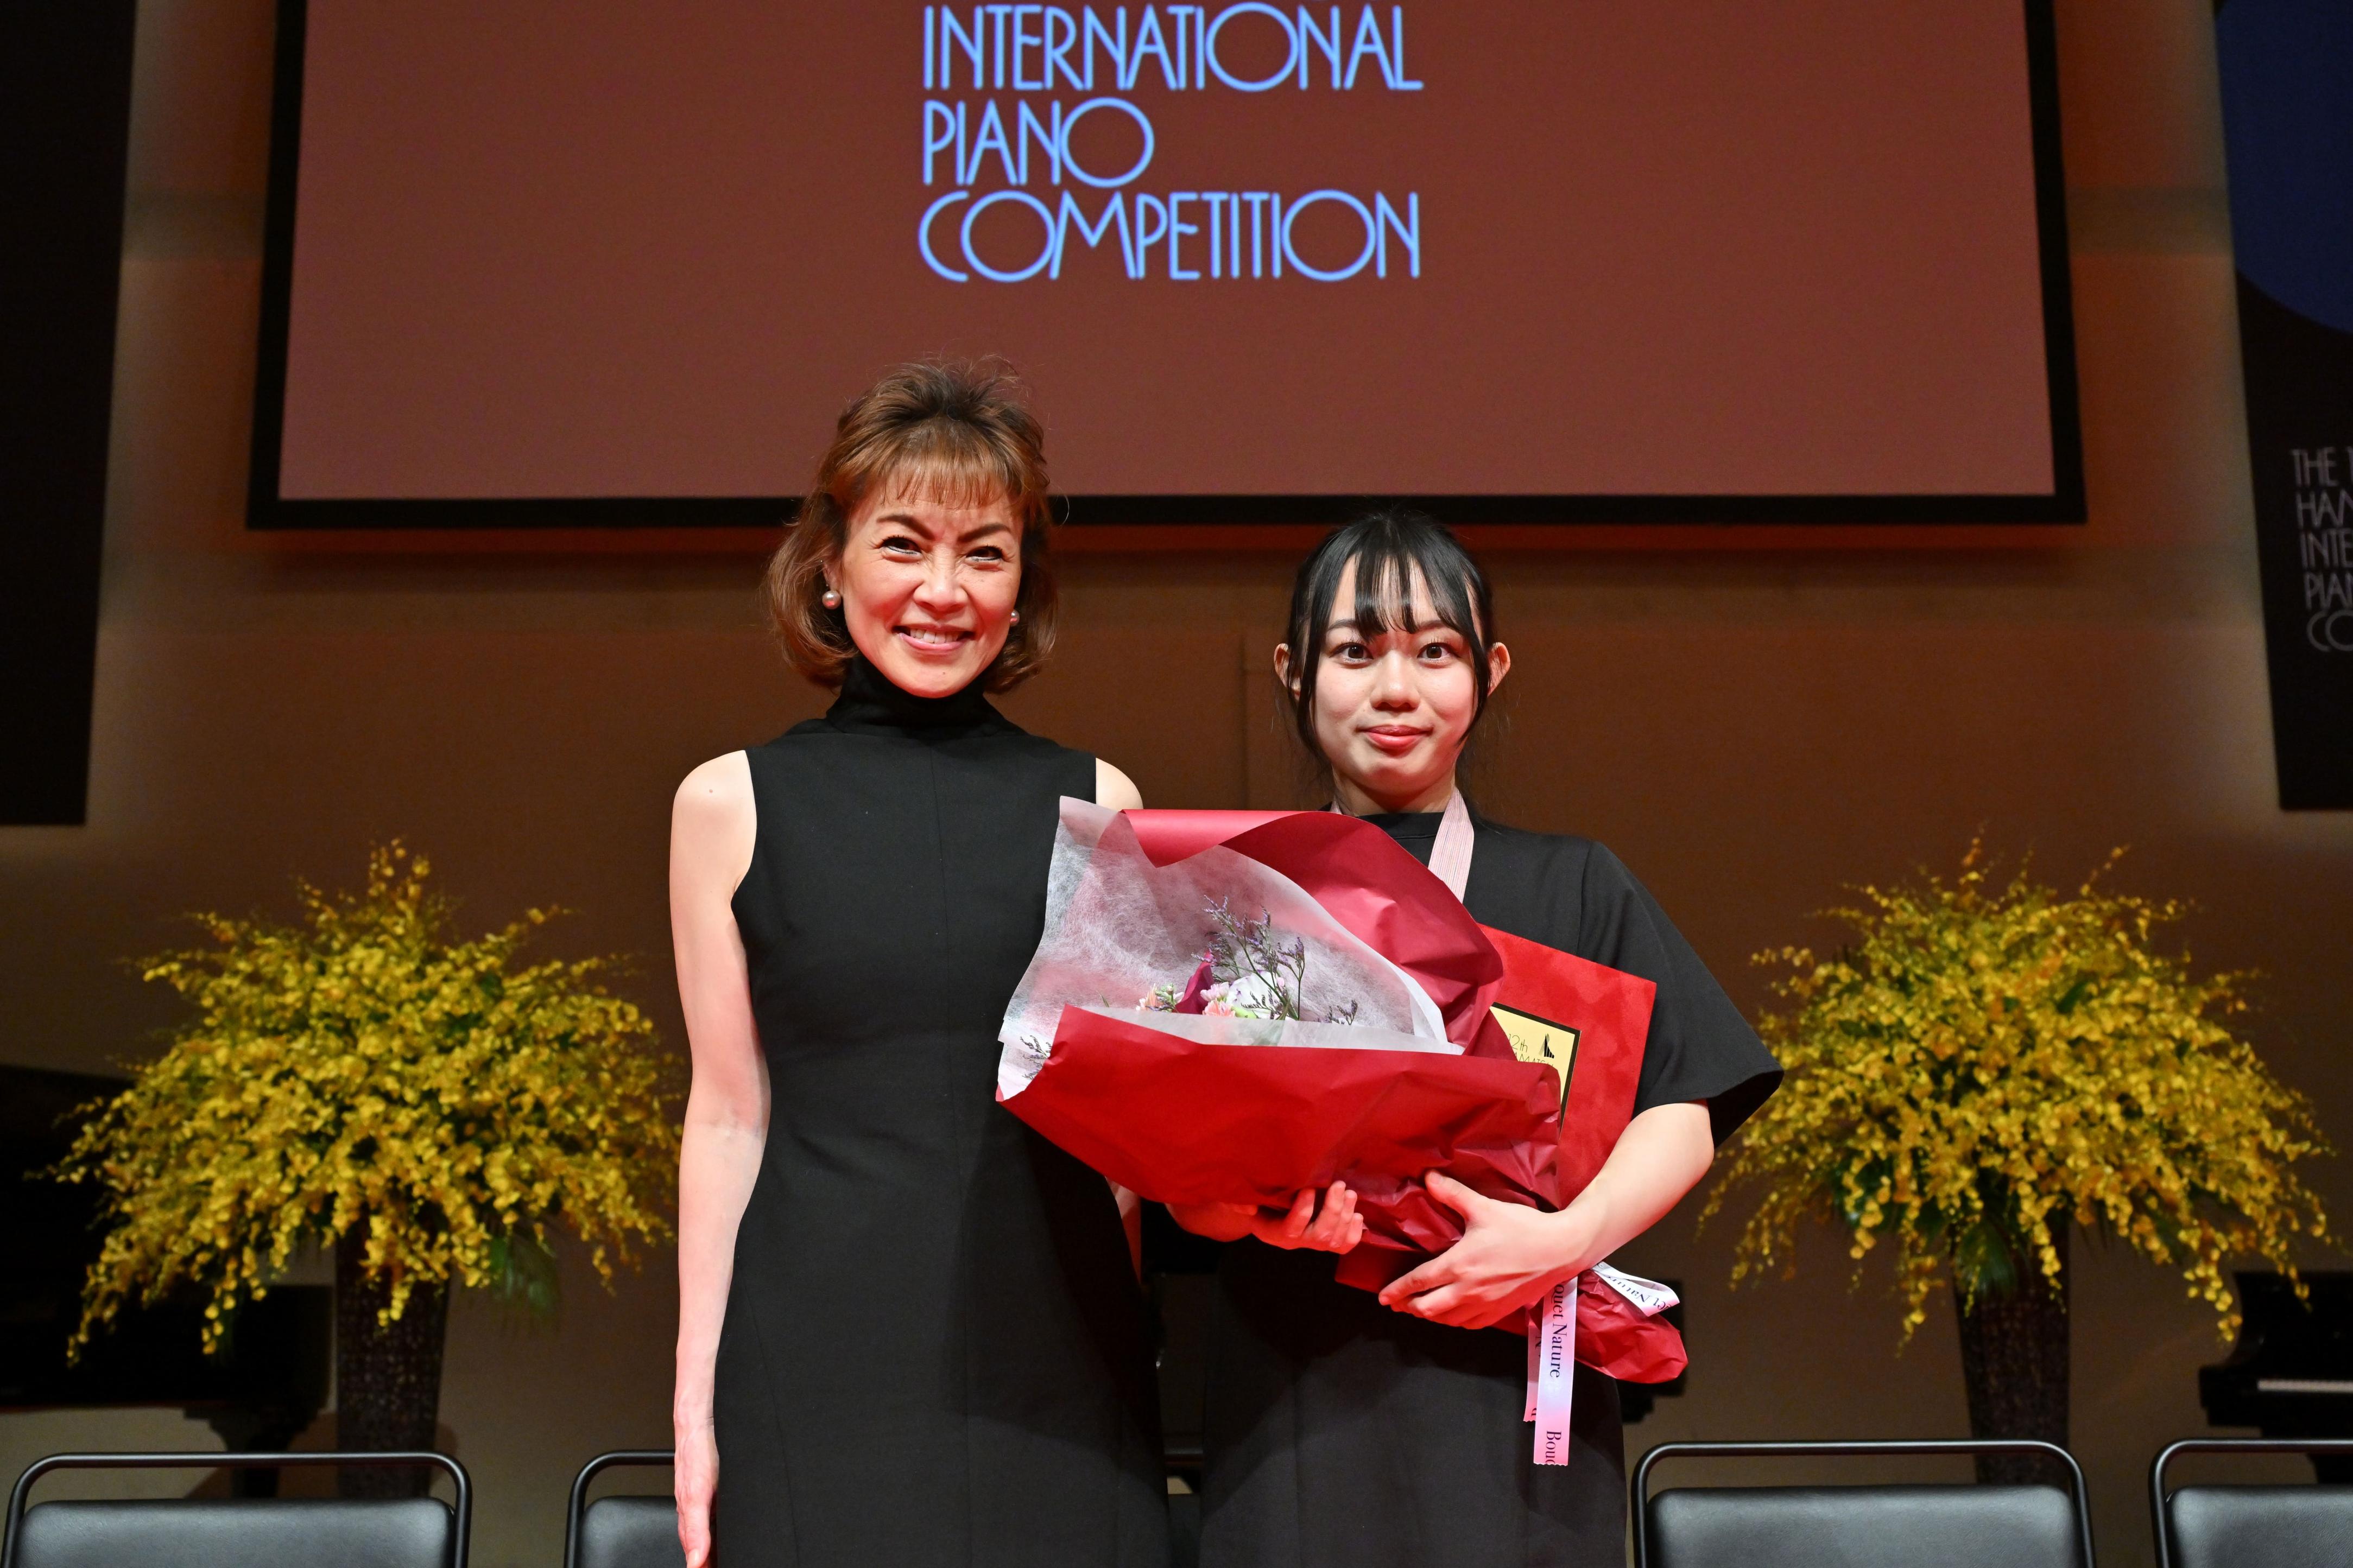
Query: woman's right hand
x,y
694,1479
1335,1228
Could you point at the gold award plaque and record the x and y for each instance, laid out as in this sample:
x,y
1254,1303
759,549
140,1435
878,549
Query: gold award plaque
x,y
1535,1040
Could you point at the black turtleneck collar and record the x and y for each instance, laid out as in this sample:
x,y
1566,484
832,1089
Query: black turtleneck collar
x,y
1415,831
870,702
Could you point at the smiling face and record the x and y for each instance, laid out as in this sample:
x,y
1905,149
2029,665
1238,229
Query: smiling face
x,y
1393,706
928,588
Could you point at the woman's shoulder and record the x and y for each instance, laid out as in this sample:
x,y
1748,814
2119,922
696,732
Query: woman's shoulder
x,y
1115,788
806,730
718,787
1555,888
714,819
1546,854
775,763
1002,736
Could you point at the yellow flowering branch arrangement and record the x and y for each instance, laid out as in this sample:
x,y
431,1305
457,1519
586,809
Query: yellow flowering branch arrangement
x,y
1988,1062
361,1069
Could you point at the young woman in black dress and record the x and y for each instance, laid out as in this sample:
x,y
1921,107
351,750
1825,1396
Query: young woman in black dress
x,y
909,1329
1349,1429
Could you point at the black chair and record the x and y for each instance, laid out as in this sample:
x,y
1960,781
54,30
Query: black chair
x,y
238,1532
2292,1526
1978,1526
639,1532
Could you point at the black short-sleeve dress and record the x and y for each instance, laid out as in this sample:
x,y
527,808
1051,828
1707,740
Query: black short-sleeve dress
x,y
934,1348
1339,1434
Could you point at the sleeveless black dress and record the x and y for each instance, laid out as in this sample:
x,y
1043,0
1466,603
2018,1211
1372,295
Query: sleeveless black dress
x,y
934,1348
1339,1434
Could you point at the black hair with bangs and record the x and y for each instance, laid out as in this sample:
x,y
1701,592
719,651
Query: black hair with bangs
x,y
1388,548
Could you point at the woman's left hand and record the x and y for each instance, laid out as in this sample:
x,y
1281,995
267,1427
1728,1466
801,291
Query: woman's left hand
x,y
1509,1254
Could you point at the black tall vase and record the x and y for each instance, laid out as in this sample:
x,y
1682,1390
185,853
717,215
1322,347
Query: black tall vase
x,y
2014,1362
387,1376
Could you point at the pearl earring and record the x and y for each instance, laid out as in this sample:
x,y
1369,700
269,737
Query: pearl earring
x,y
1015,617
830,599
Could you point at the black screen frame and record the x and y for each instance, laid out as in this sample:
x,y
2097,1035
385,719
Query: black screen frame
x,y
266,511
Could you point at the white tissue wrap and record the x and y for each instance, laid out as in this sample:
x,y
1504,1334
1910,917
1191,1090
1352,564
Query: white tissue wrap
x,y
1117,926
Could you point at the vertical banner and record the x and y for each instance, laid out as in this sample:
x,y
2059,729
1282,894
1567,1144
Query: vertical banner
x,y
65,124
2287,121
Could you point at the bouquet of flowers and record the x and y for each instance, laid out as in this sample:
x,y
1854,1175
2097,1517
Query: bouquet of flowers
x,y
1358,1026
1246,971
1300,1002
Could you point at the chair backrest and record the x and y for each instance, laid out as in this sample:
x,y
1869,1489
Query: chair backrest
x,y
621,1532
242,1533
630,1532
2230,1526
1803,1527
1981,1526
2279,1527
239,1532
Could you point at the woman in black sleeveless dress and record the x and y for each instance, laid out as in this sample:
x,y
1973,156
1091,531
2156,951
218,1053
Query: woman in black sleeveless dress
x,y
910,1329
1385,1432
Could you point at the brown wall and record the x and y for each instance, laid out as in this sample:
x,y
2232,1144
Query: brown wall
x,y
1748,730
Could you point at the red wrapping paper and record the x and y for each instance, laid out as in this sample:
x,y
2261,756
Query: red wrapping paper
x,y
1613,1335
1607,1012
1177,1120
1181,1122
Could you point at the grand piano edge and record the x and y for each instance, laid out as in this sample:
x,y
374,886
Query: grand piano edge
x,y
2291,1373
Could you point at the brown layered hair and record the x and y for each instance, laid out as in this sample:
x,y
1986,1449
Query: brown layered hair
x,y
952,431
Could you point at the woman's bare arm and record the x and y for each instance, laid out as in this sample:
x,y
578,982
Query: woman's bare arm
x,y
712,825
1509,1254
1115,789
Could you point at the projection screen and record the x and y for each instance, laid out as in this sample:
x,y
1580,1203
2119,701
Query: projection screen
x,y
1516,261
